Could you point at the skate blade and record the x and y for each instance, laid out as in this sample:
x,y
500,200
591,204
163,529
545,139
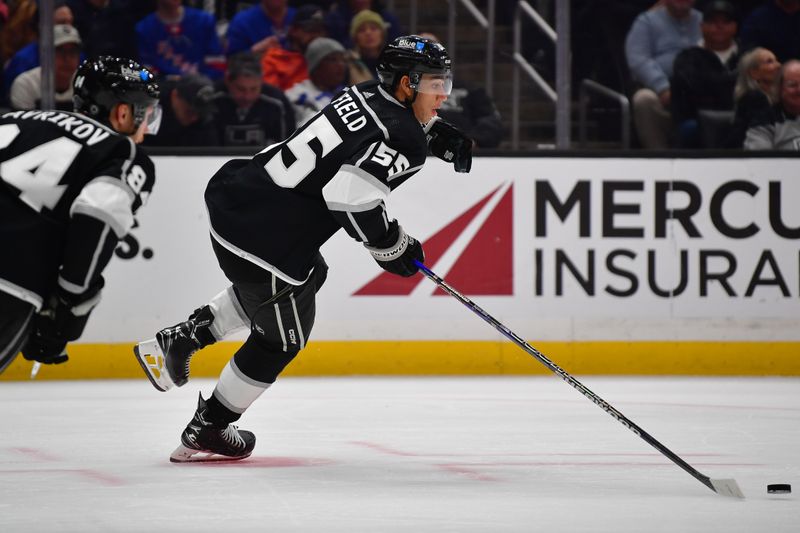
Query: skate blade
x,y
152,361
182,454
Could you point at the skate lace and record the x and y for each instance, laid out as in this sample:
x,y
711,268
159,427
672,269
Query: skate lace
x,y
232,436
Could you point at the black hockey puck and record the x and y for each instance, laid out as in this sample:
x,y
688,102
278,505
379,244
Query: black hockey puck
x,y
779,488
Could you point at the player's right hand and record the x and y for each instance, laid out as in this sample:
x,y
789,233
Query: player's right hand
x,y
398,252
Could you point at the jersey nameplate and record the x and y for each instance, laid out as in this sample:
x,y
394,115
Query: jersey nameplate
x,y
345,107
81,129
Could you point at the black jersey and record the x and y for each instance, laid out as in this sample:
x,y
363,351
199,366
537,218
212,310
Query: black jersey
x,y
69,188
337,170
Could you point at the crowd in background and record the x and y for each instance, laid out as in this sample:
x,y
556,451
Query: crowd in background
x,y
232,73
700,74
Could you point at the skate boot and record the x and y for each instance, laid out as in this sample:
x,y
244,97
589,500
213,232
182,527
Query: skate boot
x,y
203,441
165,359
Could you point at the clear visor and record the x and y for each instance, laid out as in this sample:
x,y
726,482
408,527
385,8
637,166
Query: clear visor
x,y
440,84
152,119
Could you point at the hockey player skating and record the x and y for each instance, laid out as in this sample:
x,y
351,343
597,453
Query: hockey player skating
x,y
70,184
269,216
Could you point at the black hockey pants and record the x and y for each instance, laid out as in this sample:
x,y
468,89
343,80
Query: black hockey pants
x,y
279,330
15,327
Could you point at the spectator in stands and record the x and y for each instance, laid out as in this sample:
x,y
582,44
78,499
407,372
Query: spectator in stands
x,y
754,92
472,111
653,42
775,26
250,112
782,130
368,34
260,27
327,73
26,91
342,12
285,66
703,76
27,57
178,40
188,112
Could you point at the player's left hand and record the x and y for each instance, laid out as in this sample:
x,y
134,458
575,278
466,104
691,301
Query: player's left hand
x,y
60,321
449,144
46,344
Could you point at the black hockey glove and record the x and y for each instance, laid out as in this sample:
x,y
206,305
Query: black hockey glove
x,y
446,142
397,252
61,321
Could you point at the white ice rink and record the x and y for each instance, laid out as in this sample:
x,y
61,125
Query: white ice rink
x,y
410,454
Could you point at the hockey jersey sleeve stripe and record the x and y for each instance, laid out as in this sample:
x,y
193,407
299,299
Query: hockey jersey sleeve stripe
x,y
21,293
371,112
356,228
404,172
75,288
353,189
109,200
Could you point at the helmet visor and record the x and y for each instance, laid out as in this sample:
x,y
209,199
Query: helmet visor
x,y
152,119
440,84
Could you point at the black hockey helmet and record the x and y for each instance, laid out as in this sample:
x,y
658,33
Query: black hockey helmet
x,y
414,56
103,82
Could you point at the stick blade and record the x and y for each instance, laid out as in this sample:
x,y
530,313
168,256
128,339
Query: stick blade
x,y
727,487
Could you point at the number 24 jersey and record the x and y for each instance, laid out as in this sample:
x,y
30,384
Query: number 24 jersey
x,y
69,188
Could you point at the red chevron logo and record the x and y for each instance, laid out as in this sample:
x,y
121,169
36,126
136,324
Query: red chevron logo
x,y
484,263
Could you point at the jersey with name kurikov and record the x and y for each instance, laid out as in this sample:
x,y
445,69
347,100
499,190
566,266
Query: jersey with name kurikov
x,y
69,188
278,208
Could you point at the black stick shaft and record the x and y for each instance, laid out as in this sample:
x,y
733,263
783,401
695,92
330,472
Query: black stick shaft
x,y
563,374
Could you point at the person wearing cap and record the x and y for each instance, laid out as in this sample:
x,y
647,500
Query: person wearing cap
x,y
775,25
327,72
285,66
654,40
368,32
261,27
339,19
178,40
188,112
250,112
26,91
703,76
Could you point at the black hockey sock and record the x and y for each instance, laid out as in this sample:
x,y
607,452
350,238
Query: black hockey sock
x,y
218,414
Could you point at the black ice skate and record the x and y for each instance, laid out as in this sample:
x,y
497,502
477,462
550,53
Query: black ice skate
x,y
165,359
203,441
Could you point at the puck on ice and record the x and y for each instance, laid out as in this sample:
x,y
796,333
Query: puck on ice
x,y
779,488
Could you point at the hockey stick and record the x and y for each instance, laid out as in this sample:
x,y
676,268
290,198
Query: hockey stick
x,y
725,487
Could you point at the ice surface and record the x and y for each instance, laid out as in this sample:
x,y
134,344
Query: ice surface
x,y
405,454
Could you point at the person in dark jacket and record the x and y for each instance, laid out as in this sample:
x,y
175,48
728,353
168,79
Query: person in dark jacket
x,y
703,76
250,112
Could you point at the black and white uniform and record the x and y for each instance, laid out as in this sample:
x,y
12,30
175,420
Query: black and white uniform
x,y
69,188
271,214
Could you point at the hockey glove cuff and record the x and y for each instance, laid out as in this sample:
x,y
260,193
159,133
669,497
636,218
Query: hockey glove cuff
x,y
448,143
396,253
61,321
